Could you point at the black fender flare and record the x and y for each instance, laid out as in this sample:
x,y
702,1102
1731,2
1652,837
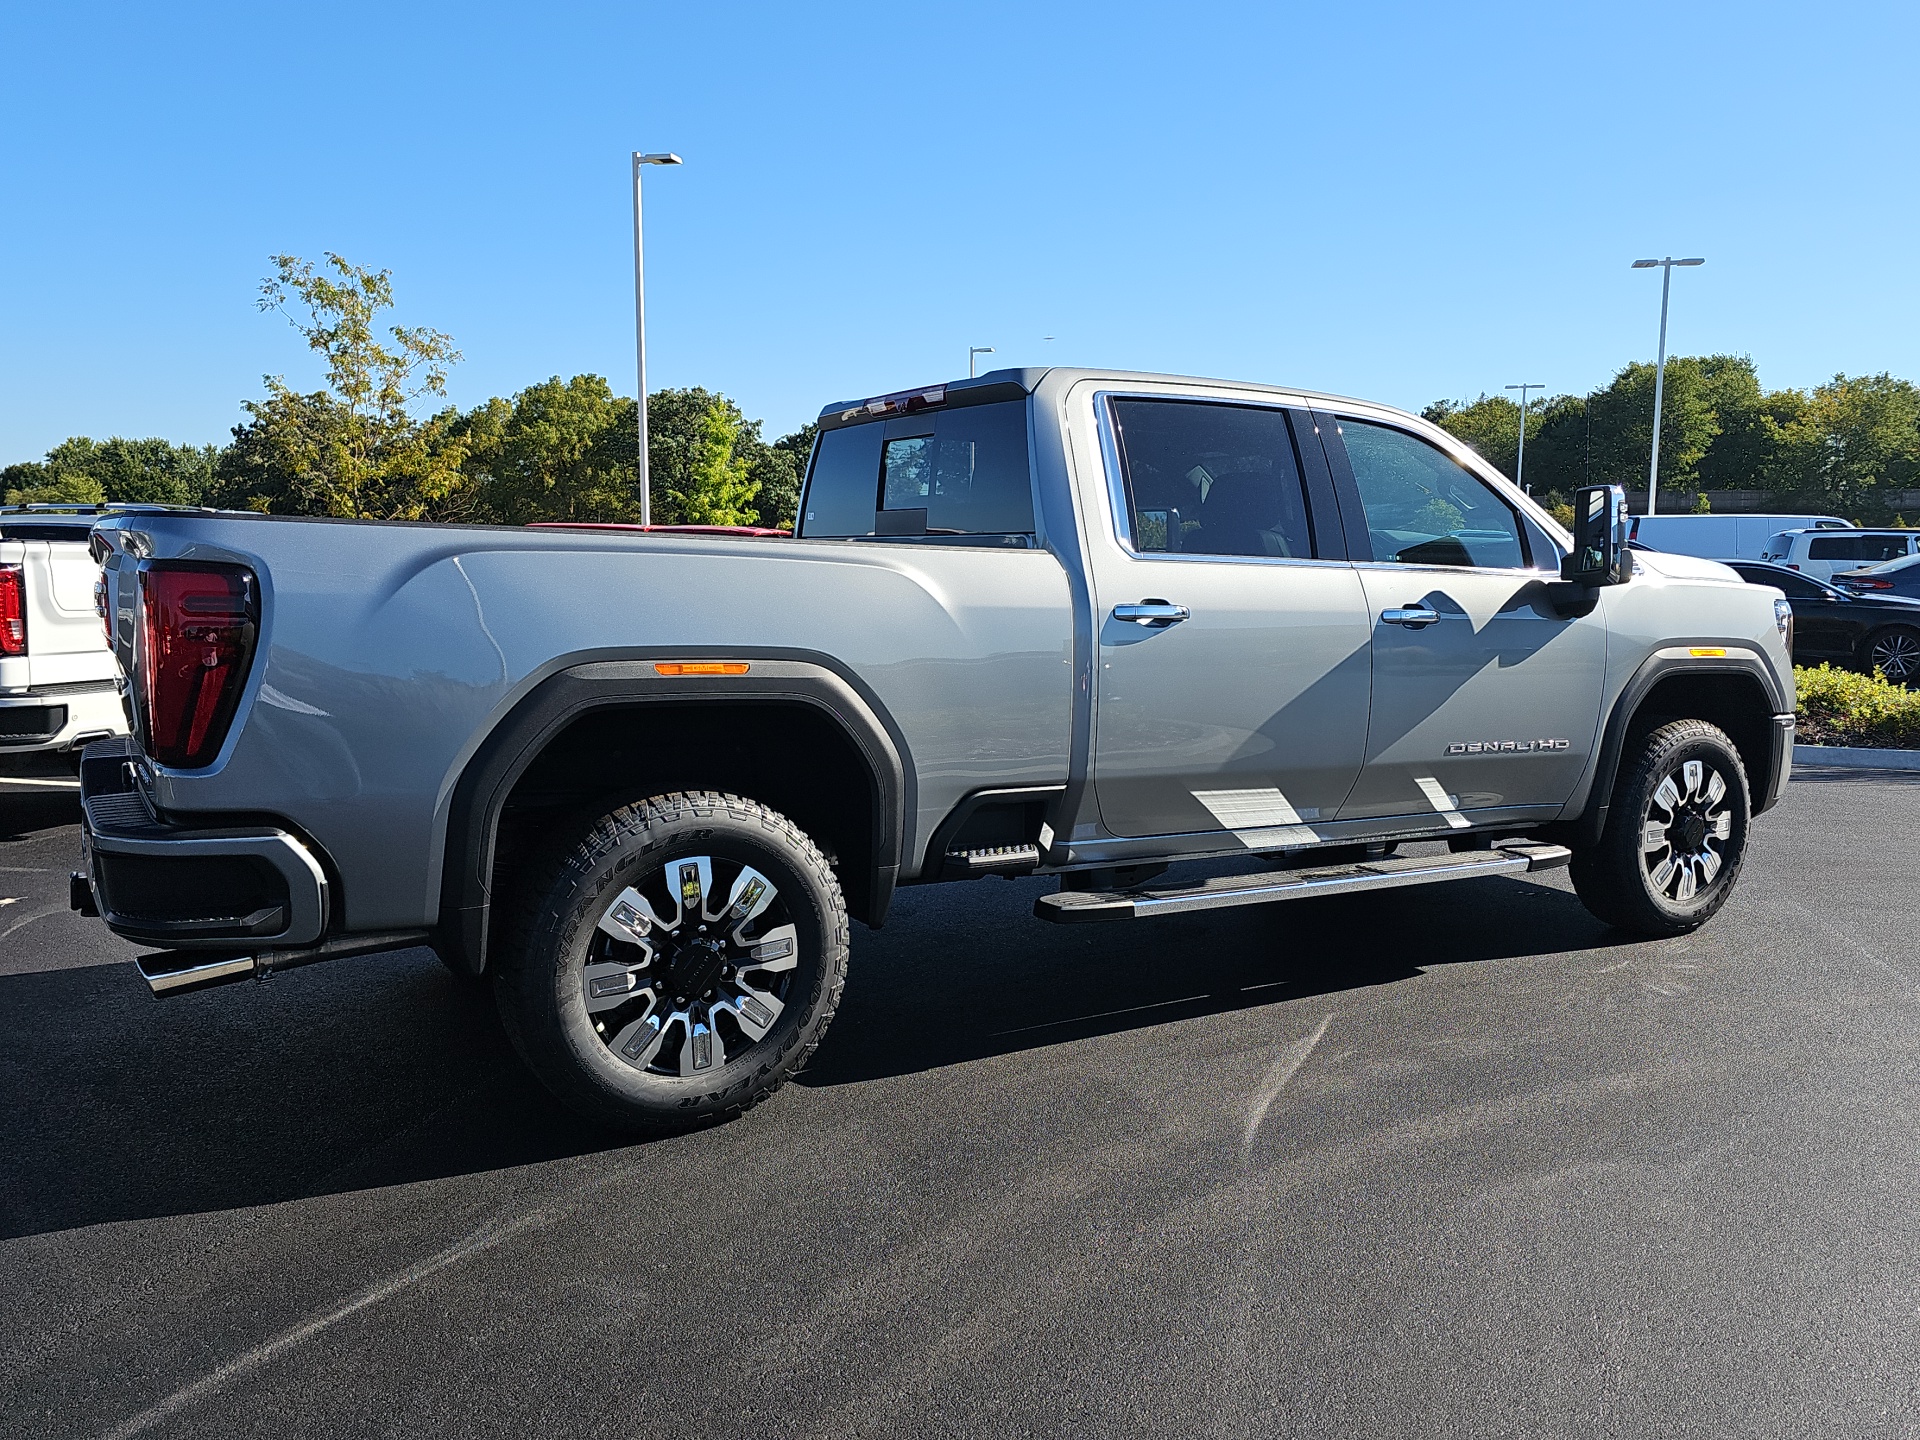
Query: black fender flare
x,y
629,679
1587,827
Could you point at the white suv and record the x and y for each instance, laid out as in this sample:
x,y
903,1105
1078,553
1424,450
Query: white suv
x,y
1825,553
57,689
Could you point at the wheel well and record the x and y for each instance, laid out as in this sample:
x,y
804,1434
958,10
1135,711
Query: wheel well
x,y
789,755
1735,703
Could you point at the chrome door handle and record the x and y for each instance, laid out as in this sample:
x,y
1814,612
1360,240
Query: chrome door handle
x,y
1155,613
1411,616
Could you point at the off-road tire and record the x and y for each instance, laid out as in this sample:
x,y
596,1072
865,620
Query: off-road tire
x,y
539,987
1613,878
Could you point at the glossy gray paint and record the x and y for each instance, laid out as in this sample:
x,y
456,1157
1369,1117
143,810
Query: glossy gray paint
x,y
390,652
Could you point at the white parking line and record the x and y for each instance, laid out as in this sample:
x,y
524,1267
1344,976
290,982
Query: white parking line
x,y
50,784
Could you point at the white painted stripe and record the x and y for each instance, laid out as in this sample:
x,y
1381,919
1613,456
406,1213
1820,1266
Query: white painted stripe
x,y
47,784
1442,802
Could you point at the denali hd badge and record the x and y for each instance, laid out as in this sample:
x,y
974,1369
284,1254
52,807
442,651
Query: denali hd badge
x,y
1504,747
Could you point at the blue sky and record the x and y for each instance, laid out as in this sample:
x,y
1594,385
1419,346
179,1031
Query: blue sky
x,y
1397,201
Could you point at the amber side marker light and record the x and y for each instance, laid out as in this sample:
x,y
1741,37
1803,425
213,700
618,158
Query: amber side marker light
x,y
1705,650
699,667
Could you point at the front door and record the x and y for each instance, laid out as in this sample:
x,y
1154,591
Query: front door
x,y
1233,635
1486,696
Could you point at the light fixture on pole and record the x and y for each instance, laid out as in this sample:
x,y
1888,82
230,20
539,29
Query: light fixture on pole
x,y
640,326
973,350
1660,370
1520,460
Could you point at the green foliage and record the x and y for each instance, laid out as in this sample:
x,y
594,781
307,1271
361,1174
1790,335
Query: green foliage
x,y
82,471
716,489
1702,505
560,450
355,448
1839,448
1842,707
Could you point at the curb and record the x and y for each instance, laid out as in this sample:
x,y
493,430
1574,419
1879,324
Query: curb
x,y
1854,757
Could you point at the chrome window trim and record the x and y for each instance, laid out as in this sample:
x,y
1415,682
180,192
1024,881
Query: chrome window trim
x,y
1117,485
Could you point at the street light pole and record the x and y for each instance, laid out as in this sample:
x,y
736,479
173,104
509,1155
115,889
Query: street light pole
x,y
973,350
640,327
1660,371
1520,460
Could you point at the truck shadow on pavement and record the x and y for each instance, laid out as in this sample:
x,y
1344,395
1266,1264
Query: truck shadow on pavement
x,y
945,983
384,1071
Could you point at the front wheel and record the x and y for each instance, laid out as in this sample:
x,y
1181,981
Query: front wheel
x,y
1675,837
1895,653
679,963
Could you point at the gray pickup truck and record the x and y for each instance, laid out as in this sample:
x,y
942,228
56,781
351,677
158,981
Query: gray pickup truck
x,y
1061,622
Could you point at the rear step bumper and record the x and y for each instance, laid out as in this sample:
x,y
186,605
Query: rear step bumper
x,y
1079,907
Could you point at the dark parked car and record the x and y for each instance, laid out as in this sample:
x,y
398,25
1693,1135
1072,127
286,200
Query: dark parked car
x,y
1872,630
1894,577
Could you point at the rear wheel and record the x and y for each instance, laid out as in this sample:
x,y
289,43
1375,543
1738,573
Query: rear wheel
x,y
1895,653
1676,833
678,964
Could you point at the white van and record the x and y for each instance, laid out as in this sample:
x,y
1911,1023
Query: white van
x,y
1723,537
1823,554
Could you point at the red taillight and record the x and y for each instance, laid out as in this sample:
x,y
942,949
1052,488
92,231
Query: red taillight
x,y
1871,584
197,634
13,611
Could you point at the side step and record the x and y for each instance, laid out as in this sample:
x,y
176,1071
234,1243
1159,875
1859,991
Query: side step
x,y
1079,907
995,860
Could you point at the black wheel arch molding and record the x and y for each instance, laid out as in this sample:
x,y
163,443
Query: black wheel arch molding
x,y
1769,720
607,680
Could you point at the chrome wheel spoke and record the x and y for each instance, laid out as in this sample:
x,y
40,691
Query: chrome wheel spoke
x,y
1653,838
1667,796
1693,776
610,983
640,1041
1722,825
755,1011
752,893
689,881
1708,864
702,1051
631,919
1663,872
1716,789
778,950
1689,882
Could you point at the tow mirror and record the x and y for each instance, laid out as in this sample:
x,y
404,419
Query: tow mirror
x,y
1600,527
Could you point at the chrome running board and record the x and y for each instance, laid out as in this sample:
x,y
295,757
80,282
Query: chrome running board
x,y
1079,907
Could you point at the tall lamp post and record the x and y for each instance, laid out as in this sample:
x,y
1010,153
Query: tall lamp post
x,y
1660,370
975,350
640,325
1520,460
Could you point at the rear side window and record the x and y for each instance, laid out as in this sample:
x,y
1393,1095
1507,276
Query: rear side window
x,y
1834,547
1882,547
1423,508
1207,479
1791,585
958,472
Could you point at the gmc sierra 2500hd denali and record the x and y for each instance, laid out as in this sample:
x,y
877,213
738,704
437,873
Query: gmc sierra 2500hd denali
x,y
1053,621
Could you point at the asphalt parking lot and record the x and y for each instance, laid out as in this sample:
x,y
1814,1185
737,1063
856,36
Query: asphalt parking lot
x,y
1455,1161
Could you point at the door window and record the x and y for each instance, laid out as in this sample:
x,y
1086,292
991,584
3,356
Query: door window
x,y
1423,508
1209,479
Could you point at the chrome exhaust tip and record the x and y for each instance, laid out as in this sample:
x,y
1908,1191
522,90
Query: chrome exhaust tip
x,y
174,972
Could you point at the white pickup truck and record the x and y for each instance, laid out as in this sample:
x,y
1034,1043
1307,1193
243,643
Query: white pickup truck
x,y
57,691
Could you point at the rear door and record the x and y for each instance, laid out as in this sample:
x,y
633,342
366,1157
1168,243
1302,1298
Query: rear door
x,y
1232,632
1485,696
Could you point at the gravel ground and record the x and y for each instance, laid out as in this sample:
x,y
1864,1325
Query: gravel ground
x,y
1451,1161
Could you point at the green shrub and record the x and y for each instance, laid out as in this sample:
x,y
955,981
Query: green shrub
x,y
1841,707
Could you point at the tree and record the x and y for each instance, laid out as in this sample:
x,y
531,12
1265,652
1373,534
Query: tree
x,y
717,489
561,450
82,471
1856,437
779,475
353,449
